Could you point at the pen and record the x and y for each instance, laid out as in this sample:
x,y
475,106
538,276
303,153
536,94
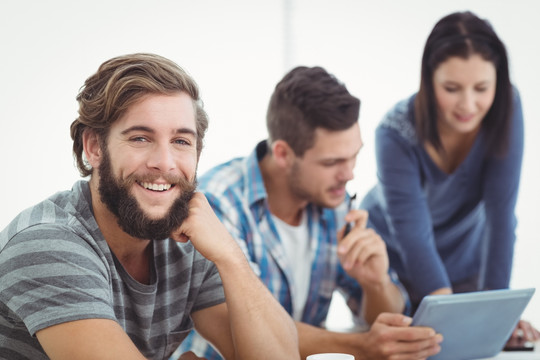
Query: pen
x,y
349,224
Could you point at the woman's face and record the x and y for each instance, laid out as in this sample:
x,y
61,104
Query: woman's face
x,y
464,90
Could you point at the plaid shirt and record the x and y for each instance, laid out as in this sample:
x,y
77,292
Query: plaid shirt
x,y
237,194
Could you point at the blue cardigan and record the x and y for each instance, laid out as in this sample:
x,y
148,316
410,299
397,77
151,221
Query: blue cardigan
x,y
442,229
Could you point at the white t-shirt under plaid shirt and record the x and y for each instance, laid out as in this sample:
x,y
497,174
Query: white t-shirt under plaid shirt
x,y
299,254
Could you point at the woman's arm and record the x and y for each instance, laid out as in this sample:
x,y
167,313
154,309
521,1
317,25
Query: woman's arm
x,y
407,213
500,190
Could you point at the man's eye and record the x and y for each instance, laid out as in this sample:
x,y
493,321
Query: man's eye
x,y
182,142
138,139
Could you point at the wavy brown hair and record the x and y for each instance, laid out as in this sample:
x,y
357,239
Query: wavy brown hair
x,y
119,83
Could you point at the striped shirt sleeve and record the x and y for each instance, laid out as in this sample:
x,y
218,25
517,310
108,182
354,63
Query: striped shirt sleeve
x,y
61,261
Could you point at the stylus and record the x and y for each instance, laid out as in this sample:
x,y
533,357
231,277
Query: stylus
x,y
349,224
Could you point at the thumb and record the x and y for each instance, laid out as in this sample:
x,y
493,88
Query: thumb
x,y
178,236
392,319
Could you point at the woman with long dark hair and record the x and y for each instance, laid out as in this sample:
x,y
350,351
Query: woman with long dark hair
x,y
449,162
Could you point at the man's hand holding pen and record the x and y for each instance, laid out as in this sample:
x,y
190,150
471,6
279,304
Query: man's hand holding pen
x,y
361,250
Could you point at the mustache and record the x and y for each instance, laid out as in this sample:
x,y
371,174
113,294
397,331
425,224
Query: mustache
x,y
338,186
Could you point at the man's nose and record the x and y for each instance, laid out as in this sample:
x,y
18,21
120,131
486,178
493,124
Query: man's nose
x,y
162,158
346,172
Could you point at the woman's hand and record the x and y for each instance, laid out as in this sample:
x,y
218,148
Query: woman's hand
x,y
524,332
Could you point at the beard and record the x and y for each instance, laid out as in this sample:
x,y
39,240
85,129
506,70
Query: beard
x,y
296,182
114,193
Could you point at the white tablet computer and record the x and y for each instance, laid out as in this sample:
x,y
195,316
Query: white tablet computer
x,y
474,325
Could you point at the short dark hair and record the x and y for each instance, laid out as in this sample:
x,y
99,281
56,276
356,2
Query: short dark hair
x,y
118,84
306,99
464,34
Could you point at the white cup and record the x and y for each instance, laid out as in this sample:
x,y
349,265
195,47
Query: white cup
x,y
330,356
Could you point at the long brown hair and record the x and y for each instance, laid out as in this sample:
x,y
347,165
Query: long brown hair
x,y
463,34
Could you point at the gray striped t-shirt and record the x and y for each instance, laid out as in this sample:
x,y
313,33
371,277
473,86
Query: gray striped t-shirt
x,y
55,266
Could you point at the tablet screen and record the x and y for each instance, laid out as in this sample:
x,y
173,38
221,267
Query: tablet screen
x,y
474,325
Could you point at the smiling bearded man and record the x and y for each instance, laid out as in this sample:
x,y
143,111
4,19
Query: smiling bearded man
x,y
115,193
83,266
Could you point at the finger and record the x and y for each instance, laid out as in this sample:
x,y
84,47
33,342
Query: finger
x,y
361,250
356,219
404,331
519,331
393,319
190,356
529,333
523,329
346,243
536,333
345,230
179,237
516,332
373,245
362,237
359,217
352,255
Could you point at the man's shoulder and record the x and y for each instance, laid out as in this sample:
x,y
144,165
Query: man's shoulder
x,y
231,181
225,174
61,212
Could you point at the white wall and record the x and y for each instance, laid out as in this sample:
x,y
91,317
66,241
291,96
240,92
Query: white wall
x,y
237,50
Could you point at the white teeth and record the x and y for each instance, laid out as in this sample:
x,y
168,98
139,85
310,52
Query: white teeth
x,y
156,187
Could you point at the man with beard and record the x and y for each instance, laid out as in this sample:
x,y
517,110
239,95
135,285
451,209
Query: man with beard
x,y
286,205
124,265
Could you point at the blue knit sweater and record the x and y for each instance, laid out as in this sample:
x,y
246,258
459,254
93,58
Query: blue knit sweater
x,y
442,229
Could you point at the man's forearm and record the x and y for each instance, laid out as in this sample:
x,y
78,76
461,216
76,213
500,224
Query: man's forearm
x,y
262,329
384,297
315,340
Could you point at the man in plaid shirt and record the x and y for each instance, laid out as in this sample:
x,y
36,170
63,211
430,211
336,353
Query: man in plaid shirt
x,y
286,205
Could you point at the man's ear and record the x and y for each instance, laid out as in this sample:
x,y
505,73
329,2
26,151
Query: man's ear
x,y
92,148
282,153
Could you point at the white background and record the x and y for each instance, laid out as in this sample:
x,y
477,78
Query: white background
x,y
237,50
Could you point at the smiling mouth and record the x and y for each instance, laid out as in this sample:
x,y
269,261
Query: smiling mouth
x,y
464,118
156,187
